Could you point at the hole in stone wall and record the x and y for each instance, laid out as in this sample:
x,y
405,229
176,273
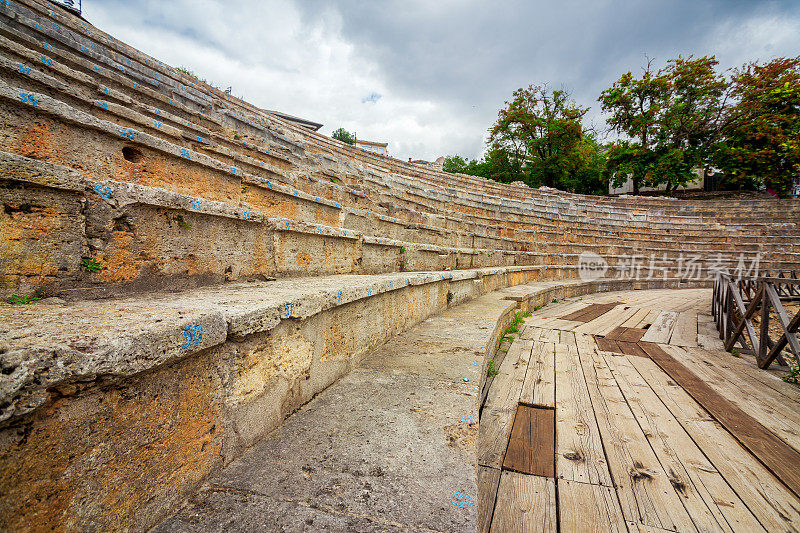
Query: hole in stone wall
x,y
123,224
131,154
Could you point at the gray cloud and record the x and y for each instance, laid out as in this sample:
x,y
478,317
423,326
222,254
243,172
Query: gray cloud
x,y
435,73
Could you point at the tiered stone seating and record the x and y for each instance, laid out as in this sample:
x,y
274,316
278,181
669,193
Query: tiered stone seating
x,y
160,210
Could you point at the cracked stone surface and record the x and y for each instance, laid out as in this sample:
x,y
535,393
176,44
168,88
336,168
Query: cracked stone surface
x,y
386,448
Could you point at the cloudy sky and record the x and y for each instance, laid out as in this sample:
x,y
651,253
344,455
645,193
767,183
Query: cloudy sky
x,y
429,76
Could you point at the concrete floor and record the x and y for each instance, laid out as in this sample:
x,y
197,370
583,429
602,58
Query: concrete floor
x,y
389,447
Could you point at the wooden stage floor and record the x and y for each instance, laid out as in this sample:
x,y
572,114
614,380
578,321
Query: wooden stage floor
x,y
621,412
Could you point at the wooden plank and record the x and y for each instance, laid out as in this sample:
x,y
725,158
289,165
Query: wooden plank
x,y
507,384
591,508
780,458
742,366
645,492
608,321
531,447
770,408
599,311
626,334
685,331
590,312
550,335
632,334
615,333
579,450
488,483
648,320
766,497
532,331
707,335
539,385
661,329
501,404
631,348
560,309
493,432
606,345
706,496
575,315
564,325
518,457
525,504
636,318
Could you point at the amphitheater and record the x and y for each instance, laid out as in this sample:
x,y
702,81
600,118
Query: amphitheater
x,y
243,325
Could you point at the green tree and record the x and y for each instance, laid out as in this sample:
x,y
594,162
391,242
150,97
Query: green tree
x,y
495,165
692,120
345,136
671,121
587,177
761,129
635,106
455,164
539,134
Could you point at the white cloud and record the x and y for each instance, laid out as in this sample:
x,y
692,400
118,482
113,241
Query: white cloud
x,y
429,78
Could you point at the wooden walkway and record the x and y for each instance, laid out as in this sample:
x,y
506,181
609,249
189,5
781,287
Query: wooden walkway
x,y
621,412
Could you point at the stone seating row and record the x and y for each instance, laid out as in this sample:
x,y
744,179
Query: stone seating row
x,y
524,245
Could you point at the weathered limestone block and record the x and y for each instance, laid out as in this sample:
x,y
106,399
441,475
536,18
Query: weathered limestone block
x,y
114,414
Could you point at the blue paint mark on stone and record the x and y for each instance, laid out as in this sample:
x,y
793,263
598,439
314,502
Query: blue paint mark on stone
x,y
24,70
461,500
28,99
193,334
130,134
102,105
103,192
195,204
288,309
185,153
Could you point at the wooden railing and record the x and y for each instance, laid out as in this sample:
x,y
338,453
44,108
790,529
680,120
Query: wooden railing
x,y
737,301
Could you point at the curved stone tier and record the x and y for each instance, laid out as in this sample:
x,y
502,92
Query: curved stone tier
x,y
216,266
